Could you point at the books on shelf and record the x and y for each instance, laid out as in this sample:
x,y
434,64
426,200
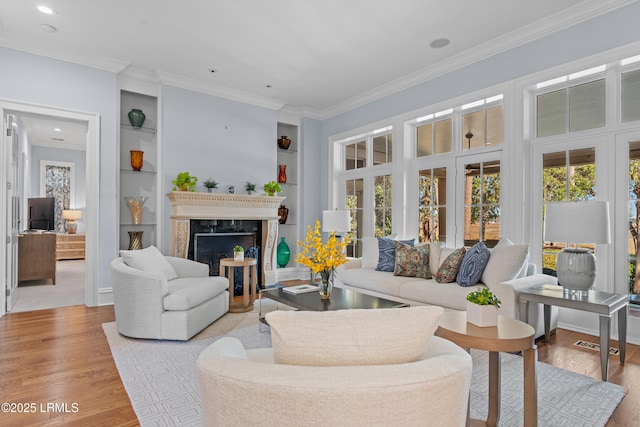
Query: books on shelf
x,y
300,289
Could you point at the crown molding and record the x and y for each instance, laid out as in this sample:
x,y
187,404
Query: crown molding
x,y
101,63
219,91
535,30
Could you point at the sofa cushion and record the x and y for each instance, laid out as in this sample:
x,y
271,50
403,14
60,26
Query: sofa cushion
x,y
379,281
473,264
447,295
412,261
387,253
507,262
149,260
435,251
352,337
188,292
370,251
448,270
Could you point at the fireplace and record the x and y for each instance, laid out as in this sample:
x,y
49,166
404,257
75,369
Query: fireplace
x,y
224,213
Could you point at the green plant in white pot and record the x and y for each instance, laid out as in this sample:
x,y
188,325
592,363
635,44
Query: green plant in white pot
x,y
482,308
238,253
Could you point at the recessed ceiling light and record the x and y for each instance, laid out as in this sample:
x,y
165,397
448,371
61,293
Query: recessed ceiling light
x,y
48,28
440,43
46,10
212,70
268,86
57,129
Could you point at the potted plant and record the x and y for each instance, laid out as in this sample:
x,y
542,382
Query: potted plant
x,y
272,187
184,182
210,184
250,187
482,308
238,253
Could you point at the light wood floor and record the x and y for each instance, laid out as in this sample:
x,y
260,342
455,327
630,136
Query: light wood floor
x,y
61,356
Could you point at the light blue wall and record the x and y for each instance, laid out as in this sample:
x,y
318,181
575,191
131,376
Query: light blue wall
x,y
78,158
207,136
609,31
38,80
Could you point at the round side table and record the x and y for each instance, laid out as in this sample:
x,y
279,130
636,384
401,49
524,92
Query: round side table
x,y
249,283
509,336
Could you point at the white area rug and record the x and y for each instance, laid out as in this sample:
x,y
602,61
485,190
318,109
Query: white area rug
x,y
160,378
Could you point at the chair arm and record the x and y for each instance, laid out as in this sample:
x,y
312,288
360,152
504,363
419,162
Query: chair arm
x,y
188,268
508,292
138,300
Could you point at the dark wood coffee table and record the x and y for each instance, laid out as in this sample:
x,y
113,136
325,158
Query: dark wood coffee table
x,y
341,299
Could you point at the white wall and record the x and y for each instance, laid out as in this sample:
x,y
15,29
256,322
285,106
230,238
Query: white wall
x,y
213,137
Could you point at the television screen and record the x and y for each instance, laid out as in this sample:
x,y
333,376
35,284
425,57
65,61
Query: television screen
x,y
42,213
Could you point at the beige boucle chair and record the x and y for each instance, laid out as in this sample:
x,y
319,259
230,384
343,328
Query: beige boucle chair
x,y
247,387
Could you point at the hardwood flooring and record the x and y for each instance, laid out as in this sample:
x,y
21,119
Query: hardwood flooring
x,y
56,367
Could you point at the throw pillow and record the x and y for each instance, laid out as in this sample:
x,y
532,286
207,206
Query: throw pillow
x,y
448,270
435,251
352,337
505,263
370,251
412,261
473,264
149,260
387,253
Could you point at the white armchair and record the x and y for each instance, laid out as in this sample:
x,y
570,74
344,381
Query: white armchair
x,y
162,297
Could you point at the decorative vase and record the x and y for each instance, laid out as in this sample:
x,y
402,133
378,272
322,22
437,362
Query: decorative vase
x,y
326,286
238,256
136,159
282,175
283,211
482,315
283,253
135,240
136,117
135,205
284,142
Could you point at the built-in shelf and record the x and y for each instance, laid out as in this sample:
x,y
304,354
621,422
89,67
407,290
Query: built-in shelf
x,y
290,190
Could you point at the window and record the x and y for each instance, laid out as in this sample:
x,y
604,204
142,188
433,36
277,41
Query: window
x,y
382,206
354,203
482,128
634,217
382,149
435,137
482,203
571,109
566,176
630,93
432,202
355,155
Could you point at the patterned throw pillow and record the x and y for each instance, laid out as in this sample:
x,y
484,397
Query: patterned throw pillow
x,y
387,253
412,261
473,264
449,268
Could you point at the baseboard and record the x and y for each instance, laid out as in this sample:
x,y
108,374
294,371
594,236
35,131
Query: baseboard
x,y
105,296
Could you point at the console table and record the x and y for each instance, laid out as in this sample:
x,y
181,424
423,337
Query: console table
x,y
604,304
70,246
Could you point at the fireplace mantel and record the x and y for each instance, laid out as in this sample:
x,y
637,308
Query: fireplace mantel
x,y
188,205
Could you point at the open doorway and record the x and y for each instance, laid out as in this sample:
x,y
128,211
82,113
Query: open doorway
x,y
55,152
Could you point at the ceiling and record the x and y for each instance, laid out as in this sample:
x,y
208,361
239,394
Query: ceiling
x,y
319,57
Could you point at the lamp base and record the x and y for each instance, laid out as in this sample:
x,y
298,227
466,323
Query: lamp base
x,y
576,270
72,227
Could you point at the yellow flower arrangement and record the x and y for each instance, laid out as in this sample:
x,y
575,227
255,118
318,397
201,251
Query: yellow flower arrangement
x,y
319,257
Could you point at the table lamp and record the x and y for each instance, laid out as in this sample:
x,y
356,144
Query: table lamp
x,y
577,222
72,215
336,221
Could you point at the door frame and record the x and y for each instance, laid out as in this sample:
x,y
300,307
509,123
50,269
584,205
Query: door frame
x,y
92,219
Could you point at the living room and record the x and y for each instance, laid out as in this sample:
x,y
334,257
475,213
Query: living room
x,y
210,132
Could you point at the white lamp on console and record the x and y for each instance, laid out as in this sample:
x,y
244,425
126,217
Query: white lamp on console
x,y
577,222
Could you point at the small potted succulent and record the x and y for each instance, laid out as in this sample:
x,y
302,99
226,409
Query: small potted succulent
x,y
238,253
250,188
272,187
184,182
482,308
210,184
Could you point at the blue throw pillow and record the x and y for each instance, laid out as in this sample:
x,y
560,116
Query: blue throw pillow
x,y
387,253
473,264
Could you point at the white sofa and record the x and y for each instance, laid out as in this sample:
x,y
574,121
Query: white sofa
x,y
362,368
360,274
163,297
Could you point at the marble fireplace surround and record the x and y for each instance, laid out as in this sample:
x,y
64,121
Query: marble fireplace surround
x,y
188,205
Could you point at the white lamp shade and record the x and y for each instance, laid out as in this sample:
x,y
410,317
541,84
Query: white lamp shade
x,y
71,214
336,220
577,222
